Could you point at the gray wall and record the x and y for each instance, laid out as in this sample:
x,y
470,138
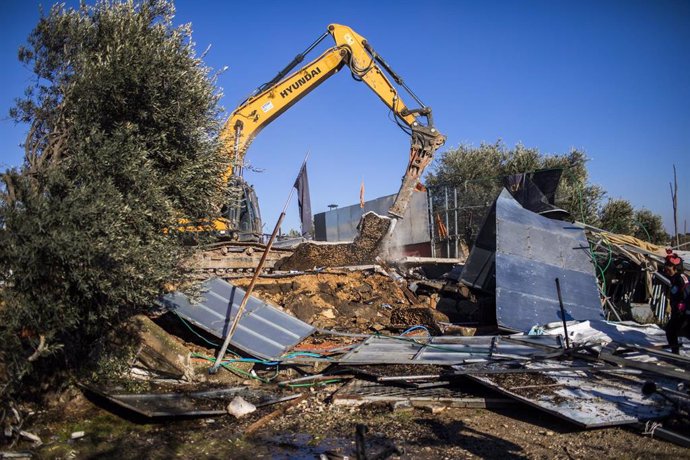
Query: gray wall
x,y
341,224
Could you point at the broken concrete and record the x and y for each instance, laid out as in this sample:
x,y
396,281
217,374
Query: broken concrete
x,y
157,352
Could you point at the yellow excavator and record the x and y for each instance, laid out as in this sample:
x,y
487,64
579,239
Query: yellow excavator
x,y
242,220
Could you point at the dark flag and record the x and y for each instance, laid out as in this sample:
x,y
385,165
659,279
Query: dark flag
x,y
304,202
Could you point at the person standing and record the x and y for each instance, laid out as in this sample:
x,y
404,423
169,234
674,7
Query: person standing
x,y
679,298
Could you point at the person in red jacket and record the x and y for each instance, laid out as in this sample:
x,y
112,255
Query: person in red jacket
x,y
679,298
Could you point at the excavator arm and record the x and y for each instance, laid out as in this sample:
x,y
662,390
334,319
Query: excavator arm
x,y
285,89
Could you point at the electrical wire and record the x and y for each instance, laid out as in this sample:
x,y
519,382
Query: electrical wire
x,y
195,332
415,328
308,354
238,371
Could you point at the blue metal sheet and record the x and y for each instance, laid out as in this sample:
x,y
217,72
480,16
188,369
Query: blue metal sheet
x,y
531,252
518,256
263,331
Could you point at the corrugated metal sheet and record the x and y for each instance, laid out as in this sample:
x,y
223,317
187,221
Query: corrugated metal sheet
x,y
531,252
446,350
198,403
519,255
264,331
341,224
583,398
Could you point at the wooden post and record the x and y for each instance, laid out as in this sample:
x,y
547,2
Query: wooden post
x,y
257,272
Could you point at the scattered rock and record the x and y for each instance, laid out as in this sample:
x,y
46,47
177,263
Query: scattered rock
x,y
400,406
433,409
422,316
303,309
642,313
239,407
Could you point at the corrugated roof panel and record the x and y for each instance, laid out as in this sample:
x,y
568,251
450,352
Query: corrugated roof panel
x,y
264,331
444,350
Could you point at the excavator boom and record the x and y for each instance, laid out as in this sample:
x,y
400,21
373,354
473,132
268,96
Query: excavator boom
x,y
276,96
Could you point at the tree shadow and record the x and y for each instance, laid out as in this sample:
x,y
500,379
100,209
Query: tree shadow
x,y
456,433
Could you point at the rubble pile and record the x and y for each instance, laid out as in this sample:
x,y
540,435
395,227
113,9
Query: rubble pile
x,y
357,301
388,333
388,337
362,251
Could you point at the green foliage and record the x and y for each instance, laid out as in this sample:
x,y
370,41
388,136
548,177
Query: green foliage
x,y
480,171
123,120
477,173
618,216
650,227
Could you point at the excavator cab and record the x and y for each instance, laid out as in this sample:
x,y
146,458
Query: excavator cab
x,y
242,213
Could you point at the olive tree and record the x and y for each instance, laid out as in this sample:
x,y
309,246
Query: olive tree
x,y
477,173
620,216
122,143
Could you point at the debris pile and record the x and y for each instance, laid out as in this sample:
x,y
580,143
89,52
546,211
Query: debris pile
x,y
407,335
362,251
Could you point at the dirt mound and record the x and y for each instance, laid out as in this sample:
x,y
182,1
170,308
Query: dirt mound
x,y
355,301
363,250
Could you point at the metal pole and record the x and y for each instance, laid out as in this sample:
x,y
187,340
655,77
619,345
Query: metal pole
x,y
445,211
430,202
257,272
560,302
457,232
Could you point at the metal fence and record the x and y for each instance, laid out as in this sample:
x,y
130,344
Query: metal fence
x,y
456,213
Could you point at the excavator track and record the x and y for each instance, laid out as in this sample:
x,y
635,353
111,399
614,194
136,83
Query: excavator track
x,y
228,258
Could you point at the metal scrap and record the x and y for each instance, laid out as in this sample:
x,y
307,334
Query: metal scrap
x,y
187,404
263,331
447,350
584,398
359,392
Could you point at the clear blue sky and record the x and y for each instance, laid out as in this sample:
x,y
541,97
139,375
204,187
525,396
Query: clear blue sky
x,y
609,77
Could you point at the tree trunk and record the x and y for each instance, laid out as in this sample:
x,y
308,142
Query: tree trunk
x,y
674,198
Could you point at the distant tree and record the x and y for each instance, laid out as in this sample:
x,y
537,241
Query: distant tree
x,y
294,233
488,163
122,143
650,227
477,174
674,201
618,216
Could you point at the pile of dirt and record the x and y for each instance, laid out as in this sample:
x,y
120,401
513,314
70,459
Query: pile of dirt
x,y
354,301
362,251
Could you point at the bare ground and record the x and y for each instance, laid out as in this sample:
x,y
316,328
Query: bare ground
x,y
315,427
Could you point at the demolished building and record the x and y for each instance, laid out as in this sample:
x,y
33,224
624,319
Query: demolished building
x,y
521,321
